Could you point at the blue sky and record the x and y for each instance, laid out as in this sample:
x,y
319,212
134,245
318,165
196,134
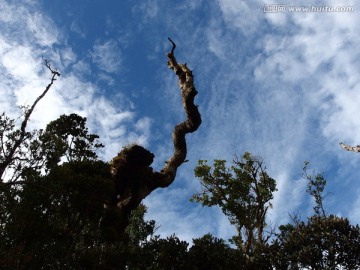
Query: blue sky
x,y
284,86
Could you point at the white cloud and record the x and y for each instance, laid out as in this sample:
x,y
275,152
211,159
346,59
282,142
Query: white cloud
x,y
181,216
325,61
82,68
43,29
215,40
23,78
288,199
147,10
24,25
244,15
76,28
107,56
116,129
67,56
19,62
189,5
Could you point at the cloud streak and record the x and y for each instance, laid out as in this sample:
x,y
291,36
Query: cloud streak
x,y
107,56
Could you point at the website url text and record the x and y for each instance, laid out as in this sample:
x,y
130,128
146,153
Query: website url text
x,y
284,8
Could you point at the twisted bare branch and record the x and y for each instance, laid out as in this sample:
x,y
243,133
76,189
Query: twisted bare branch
x,y
134,178
191,124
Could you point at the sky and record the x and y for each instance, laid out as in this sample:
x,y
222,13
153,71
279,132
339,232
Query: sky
x,y
280,83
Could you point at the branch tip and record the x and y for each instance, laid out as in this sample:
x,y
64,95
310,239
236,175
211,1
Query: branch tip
x,y
54,72
173,47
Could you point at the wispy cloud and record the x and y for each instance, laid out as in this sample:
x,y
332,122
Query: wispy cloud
x,y
147,10
76,28
242,14
39,26
107,56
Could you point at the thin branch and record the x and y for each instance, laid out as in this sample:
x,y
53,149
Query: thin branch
x,y
29,112
173,47
10,157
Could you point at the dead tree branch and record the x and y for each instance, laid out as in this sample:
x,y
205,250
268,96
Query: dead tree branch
x,y
28,113
191,124
11,154
350,148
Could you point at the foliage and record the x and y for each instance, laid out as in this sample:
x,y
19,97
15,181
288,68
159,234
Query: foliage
x,y
51,215
209,252
54,217
15,148
323,242
67,137
243,192
140,230
315,187
162,254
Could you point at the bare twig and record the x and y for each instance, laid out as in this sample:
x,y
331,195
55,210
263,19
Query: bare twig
x,y
173,47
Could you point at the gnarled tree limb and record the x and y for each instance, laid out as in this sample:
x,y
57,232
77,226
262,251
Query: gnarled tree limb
x,y
134,178
191,124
